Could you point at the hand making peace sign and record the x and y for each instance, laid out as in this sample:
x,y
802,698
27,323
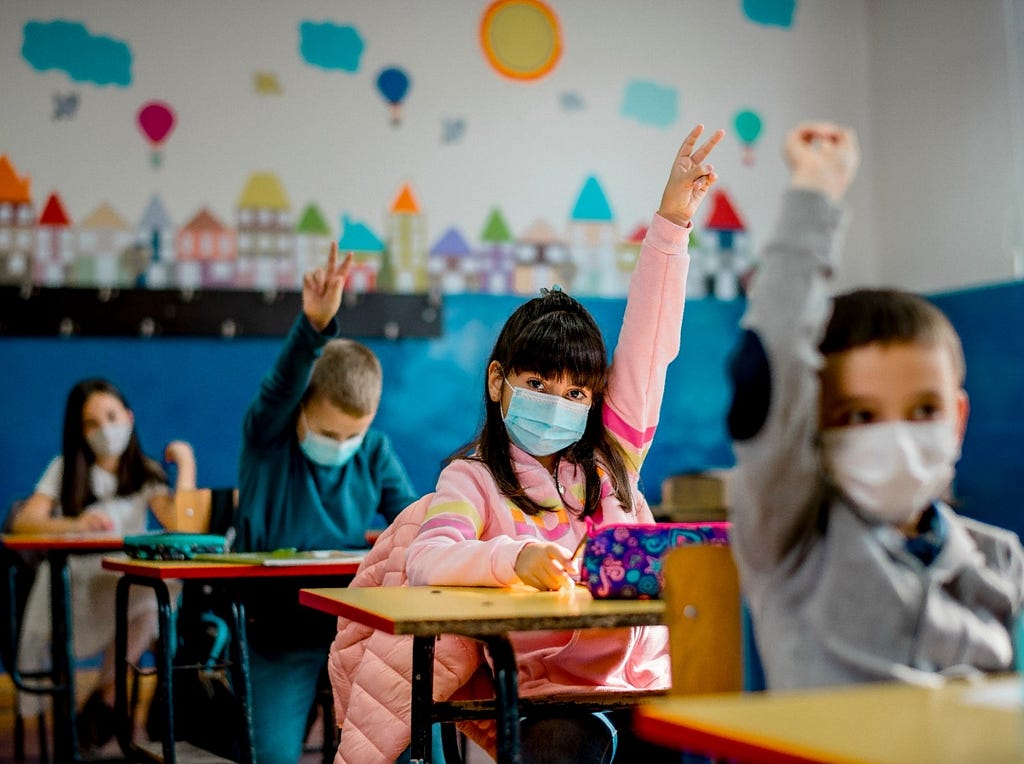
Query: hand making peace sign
x,y
690,179
322,288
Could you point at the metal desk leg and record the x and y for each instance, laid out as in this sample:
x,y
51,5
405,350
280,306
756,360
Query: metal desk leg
x,y
124,724
241,676
421,718
65,732
164,662
506,694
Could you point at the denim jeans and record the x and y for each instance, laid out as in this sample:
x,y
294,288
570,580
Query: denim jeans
x,y
283,688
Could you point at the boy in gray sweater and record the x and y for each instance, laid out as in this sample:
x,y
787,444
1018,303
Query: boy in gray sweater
x,y
847,421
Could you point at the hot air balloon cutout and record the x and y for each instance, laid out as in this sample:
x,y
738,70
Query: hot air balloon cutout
x,y
393,84
748,127
156,122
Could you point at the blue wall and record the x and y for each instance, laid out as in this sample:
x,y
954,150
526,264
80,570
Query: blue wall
x,y
198,389
990,321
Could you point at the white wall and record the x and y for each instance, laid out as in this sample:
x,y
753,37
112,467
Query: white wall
x,y
327,135
926,83
946,135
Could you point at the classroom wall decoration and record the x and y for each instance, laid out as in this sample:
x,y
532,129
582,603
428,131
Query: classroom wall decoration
x,y
70,47
522,39
650,103
748,128
770,12
271,230
156,121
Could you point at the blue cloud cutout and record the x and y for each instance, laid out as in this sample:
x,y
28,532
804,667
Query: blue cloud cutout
x,y
69,47
650,103
770,12
330,46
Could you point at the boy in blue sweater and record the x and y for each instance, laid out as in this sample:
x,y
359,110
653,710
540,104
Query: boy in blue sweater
x,y
312,475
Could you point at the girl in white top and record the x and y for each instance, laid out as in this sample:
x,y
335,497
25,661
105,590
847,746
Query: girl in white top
x,y
102,482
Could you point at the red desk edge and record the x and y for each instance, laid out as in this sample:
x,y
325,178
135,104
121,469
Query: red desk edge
x,y
713,743
210,570
311,598
71,542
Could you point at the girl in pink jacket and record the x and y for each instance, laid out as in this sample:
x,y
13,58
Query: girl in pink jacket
x,y
563,440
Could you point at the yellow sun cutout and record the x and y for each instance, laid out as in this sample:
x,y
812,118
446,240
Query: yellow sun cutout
x,y
522,39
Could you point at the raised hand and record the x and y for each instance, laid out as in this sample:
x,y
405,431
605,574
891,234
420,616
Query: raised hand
x,y
322,288
822,157
179,452
690,179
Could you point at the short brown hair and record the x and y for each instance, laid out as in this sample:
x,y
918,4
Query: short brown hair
x,y
349,376
890,316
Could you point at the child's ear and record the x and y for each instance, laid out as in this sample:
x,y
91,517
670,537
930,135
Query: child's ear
x,y
963,409
495,375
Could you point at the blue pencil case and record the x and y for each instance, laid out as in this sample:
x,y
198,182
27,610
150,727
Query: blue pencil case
x,y
173,546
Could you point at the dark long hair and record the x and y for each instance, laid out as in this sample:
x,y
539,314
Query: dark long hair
x,y
134,469
554,336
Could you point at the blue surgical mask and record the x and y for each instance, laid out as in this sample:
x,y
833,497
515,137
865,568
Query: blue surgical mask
x,y
329,452
542,424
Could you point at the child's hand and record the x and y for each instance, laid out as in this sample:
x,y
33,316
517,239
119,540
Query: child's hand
x,y
179,452
94,520
544,565
321,289
822,157
689,180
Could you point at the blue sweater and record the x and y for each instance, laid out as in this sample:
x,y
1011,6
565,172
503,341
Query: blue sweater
x,y
285,500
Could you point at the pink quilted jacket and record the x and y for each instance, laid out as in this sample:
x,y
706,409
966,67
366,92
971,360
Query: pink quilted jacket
x,y
371,672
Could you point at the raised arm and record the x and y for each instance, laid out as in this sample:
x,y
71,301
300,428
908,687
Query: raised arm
x,y
180,454
774,414
649,338
271,415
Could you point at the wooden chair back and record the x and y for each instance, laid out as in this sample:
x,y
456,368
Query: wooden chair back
x,y
702,598
192,510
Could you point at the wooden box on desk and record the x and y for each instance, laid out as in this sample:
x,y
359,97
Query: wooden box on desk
x,y
694,497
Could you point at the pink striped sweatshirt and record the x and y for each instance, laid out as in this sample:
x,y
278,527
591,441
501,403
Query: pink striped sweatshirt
x,y
471,534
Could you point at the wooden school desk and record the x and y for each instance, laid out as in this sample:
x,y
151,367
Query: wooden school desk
x,y
154,574
486,614
61,686
886,723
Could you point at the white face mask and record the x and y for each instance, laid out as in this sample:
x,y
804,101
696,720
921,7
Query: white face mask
x,y
110,439
892,470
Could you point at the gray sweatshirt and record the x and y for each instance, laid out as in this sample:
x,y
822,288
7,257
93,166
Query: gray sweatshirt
x,y
835,597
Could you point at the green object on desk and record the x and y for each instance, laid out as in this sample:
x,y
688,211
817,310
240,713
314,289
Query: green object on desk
x,y
287,556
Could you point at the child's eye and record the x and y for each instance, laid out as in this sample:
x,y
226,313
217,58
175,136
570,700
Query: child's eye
x,y
580,396
858,416
535,384
925,411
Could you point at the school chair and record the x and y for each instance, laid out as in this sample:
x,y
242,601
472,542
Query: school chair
x,y
704,614
213,510
205,510
19,577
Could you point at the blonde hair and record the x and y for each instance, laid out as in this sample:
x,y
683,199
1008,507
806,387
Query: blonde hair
x,y
349,376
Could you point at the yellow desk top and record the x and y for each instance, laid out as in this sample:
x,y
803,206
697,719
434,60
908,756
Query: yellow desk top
x,y
472,611
80,541
870,724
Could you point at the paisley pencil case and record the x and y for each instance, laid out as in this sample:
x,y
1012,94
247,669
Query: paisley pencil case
x,y
624,561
